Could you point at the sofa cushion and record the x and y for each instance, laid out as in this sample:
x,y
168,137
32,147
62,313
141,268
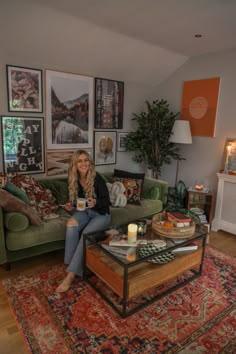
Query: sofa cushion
x,y
59,189
153,193
48,231
16,222
12,204
132,212
127,174
132,189
17,192
41,199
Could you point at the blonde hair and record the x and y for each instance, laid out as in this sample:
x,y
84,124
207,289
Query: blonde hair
x,y
73,176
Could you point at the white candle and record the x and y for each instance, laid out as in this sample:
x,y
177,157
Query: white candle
x,y
132,233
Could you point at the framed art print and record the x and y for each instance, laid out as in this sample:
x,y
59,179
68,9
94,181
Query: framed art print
x,y
109,102
70,102
104,148
23,145
199,105
57,162
24,89
121,145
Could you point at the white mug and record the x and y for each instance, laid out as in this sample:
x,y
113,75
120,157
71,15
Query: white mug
x,y
81,204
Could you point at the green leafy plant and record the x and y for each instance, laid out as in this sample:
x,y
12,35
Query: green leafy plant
x,y
150,141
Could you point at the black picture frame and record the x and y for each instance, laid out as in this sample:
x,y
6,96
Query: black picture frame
x,y
121,144
109,104
105,147
24,89
23,144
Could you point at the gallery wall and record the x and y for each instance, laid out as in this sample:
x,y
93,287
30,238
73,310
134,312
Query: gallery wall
x,y
35,36
204,157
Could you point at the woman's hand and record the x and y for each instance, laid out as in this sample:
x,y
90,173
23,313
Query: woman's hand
x,y
68,206
91,202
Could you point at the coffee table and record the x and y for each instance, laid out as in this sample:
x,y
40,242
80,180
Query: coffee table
x,y
137,283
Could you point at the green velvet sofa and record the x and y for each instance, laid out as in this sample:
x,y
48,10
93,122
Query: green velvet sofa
x,y
19,239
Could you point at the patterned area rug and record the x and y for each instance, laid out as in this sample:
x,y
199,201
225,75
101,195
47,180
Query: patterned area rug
x,y
198,318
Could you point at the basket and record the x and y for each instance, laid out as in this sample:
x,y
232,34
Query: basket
x,y
173,232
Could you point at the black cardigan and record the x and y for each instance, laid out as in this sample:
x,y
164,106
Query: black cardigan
x,y
102,195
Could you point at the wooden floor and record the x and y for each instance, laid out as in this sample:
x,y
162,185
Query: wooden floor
x,y
10,338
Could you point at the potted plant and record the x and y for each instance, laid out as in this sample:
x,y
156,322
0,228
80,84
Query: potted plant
x,y
150,141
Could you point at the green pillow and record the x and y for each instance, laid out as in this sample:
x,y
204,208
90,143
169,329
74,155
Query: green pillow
x,y
59,190
17,192
16,222
153,193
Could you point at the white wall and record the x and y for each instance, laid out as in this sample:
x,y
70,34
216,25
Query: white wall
x,y
204,157
33,35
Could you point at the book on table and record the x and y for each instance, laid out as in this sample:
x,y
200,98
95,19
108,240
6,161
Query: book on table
x,y
189,247
179,219
120,251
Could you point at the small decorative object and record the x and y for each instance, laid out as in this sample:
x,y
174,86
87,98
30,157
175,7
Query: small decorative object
x,y
104,147
141,227
151,248
158,227
230,156
199,187
109,101
132,233
24,89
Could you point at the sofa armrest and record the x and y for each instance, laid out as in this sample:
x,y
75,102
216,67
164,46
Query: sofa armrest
x,y
3,253
150,183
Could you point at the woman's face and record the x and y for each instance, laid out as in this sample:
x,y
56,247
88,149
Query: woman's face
x,y
83,164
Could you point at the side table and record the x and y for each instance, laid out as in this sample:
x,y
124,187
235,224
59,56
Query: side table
x,y
202,200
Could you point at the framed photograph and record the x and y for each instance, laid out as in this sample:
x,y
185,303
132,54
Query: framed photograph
x,y
230,156
199,105
23,145
104,148
58,161
121,146
24,89
109,102
70,110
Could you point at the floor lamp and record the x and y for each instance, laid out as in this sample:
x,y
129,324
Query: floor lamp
x,y
181,134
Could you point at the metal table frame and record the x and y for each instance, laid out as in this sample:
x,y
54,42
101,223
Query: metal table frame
x,y
199,235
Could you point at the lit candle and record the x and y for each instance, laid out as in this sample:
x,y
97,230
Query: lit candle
x,y
132,233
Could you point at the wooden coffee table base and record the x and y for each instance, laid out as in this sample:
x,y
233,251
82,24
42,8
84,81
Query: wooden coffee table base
x,y
134,280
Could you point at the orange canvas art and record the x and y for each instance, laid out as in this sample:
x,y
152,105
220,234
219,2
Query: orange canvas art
x,y
199,105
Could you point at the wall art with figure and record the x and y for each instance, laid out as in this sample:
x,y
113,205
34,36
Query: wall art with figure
x,y
69,99
104,148
23,145
24,89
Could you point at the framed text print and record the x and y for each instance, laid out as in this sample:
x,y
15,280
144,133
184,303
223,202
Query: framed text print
x,y
199,105
23,145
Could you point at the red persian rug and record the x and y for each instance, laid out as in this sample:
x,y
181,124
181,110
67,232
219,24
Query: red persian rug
x,y
198,318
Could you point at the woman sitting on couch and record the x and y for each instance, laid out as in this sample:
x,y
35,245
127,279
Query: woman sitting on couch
x,y
84,182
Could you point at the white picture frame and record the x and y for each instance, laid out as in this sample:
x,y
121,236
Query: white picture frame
x,y
105,147
69,110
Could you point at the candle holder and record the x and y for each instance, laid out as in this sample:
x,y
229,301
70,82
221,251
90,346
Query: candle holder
x,y
141,227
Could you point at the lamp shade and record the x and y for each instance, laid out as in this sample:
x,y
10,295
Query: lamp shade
x,y
181,132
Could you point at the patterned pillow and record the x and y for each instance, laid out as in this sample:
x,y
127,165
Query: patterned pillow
x,y
132,189
41,199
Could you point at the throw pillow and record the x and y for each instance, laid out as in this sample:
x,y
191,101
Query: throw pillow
x,y
17,192
10,203
116,193
126,174
16,221
41,199
132,189
153,193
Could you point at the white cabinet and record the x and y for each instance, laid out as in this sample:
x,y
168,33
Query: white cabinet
x,y
225,212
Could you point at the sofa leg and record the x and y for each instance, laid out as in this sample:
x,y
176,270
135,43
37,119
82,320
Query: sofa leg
x,y
8,266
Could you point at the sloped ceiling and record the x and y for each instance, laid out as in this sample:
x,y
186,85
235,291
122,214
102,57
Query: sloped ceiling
x,y
170,24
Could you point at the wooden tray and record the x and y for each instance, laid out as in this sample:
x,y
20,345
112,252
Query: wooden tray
x,y
173,232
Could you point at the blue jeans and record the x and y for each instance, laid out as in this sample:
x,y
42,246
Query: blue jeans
x,y
88,221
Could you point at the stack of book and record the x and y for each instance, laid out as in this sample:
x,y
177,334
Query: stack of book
x,y
178,219
122,252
